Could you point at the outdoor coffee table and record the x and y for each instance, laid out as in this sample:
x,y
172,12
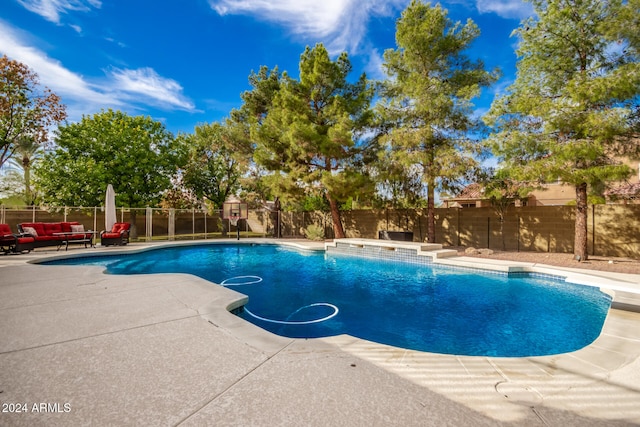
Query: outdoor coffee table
x,y
66,238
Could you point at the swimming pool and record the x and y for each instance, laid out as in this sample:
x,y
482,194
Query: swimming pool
x,y
312,294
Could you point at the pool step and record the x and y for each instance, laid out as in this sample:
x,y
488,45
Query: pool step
x,y
439,254
431,250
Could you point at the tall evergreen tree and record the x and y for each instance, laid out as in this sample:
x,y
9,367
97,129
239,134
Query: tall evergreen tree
x,y
427,98
310,133
568,114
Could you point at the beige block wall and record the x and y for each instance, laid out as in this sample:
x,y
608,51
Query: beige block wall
x,y
613,230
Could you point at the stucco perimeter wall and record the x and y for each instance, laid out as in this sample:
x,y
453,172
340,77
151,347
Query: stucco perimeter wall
x,y
613,230
617,230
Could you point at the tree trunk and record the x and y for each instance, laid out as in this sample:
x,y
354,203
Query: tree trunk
x,y
580,242
276,218
133,230
224,224
338,231
431,213
28,194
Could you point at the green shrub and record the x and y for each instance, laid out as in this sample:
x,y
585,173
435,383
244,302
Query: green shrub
x,y
314,232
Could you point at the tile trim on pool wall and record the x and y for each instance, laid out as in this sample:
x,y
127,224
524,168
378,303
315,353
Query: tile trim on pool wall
x,y
380,252
537,275
411,253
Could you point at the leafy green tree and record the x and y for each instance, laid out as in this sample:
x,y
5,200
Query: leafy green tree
x,y
26,111
179,198
569,113
216,163
137,155
427,99
310,133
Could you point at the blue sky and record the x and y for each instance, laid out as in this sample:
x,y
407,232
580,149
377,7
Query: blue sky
x,y
186,62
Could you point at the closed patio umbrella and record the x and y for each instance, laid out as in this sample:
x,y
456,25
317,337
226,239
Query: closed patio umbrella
x,y
110,208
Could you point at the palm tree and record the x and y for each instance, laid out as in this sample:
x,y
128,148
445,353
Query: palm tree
x,y
17,181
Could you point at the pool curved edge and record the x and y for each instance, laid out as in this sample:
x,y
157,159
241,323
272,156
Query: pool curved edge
x,y
98,251
624,289
219,312
626,284
224,301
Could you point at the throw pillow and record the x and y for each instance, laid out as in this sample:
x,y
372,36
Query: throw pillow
x,y
30,230
77,228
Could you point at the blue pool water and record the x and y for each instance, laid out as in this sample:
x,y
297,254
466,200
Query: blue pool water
x,y
309,294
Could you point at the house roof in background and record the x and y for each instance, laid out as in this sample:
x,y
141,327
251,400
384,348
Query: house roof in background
x,y
470,192
624,191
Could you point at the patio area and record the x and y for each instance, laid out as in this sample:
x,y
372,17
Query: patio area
x,y
79,347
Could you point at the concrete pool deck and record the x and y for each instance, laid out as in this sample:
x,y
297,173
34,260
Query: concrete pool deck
x,y
78,347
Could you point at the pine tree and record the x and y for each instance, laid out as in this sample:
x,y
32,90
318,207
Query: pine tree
x,y
427,98
309,136
568,114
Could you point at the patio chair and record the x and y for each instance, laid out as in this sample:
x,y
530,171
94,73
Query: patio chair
x,y
14,243
119,235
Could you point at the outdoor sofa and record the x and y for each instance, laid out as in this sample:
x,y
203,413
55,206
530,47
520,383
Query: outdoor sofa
x,y
56,233
118,235
15,243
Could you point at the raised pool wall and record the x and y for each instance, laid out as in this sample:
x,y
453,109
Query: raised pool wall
x,y
387,251
422,253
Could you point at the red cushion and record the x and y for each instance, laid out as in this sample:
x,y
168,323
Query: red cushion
x,y
110,235
66,226
25,239
38,226
7,238
53,238
52,227
120,226
5,229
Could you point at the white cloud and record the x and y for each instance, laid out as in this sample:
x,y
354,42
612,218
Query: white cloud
x,y
112,40
511,9
373,67
342,23
146,82
304,16
51,9
69,85
122,89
